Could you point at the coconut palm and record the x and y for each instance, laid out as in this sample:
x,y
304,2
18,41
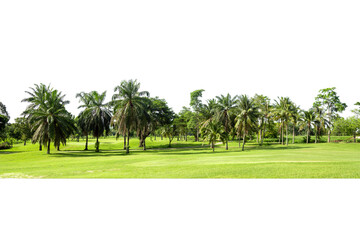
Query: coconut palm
x,y
97,116
283,111
85,100
308,120
169,131
213,131
321,123
129,107
295,117
225,108
247,117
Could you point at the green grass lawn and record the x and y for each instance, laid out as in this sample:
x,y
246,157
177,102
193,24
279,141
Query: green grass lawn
x,y
185,160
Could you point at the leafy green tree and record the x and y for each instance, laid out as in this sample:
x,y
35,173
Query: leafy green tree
x,y
263,104
295,118
4,119
97,116
130,106
329,100
247,117
213,131
21,130
347,126
357,111
225,109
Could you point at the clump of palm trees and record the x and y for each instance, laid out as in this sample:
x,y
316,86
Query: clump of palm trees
x,y
133,112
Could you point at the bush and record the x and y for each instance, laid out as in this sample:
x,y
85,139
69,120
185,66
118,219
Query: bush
x,y
5,145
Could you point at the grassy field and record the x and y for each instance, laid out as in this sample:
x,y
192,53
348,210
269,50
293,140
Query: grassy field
x,y
185,160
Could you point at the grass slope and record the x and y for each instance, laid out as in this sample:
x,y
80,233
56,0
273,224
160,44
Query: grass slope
x,y
185,160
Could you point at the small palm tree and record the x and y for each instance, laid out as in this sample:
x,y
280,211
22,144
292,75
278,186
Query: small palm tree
x,y
247,117
213,131
169,131
97,116
308,120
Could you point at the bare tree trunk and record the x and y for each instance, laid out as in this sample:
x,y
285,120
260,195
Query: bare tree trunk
x,y
227,147
185,137
155,137
128,139
213,147
48,147
282,133
354,137
262,139
244,136
25,143
287,136
293,135
97,144
86,143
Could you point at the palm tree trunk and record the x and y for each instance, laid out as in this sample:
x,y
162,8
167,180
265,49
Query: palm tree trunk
x,y
86,143
354,137
58,147
128,139
227,147
97,144
315,135
40,147
25,143
144,145
244,136
293,134
329,132
124,141
213,147
262,138
185,137
48,146
308,133
282,133
287,136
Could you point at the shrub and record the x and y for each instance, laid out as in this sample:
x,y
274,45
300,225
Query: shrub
x,y
5,145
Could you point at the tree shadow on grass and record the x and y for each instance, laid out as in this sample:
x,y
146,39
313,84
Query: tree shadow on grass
x,y
8,152
171,151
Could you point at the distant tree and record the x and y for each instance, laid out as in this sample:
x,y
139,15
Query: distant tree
x,y
347,126
329,100
357,111
169,131
4,119
263,104
213,131
196,104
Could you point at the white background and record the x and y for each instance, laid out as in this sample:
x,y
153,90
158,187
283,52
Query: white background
x,y
275,48
179,209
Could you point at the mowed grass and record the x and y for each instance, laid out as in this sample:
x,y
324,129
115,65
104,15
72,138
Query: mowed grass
x,y
185,160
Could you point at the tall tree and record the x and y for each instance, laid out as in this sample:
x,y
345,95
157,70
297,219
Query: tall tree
x,y
130,105
225,108
97,116
329,100
85,100
283,109
196,104
50,120
4,119
247,117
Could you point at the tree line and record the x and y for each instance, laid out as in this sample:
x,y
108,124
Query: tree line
x,y
132,112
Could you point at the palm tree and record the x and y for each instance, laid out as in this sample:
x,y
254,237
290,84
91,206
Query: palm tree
x,y
283,111
85,99
36,100
320,122
225,107
129,107
51,121
308,120
213,131
295,117
247,117
97,116
169,131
